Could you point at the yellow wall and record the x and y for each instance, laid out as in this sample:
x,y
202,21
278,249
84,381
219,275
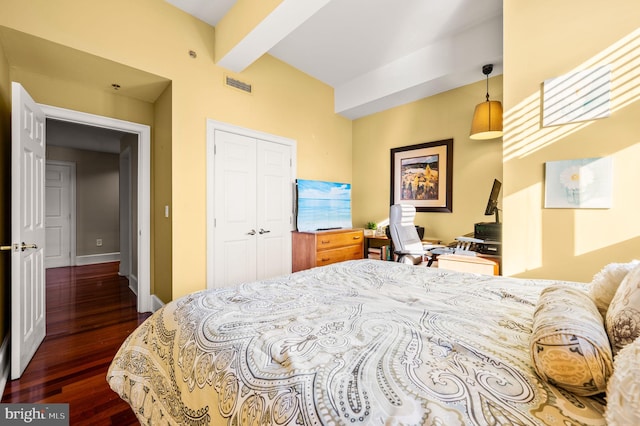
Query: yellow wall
x,y
5,191
444,116
161,190
156,37
49,90
546,39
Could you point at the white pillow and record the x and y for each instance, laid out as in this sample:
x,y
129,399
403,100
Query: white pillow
x,y
623,316
606,282
623,389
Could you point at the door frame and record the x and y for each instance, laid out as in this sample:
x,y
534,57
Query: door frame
x,y
72,206
144,187
212,126
126,231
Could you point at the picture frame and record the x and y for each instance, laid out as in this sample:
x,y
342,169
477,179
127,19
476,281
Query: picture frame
x,y
422,175
585,183
577,96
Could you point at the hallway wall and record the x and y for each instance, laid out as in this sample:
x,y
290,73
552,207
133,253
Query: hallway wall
x,y
97,198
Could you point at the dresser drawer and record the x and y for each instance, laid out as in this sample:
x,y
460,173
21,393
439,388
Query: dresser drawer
x,y
341,239
317,248
326,257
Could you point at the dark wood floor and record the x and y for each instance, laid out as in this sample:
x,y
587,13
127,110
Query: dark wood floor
x,y
90,311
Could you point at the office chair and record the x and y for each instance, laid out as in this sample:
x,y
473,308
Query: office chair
x,y
406,242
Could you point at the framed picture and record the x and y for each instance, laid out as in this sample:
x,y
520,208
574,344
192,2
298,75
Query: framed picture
x,y
422,175
577,96
584,183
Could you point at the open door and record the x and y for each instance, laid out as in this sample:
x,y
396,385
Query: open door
x,y
28,308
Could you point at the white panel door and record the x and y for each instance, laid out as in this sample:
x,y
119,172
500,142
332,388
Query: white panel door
x,y
253,208
274,209
28,309
58,215
235,209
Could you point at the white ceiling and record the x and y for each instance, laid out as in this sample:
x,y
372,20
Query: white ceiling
x,y
376,54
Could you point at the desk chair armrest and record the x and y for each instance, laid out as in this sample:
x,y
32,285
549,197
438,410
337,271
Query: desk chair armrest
x,y
409,252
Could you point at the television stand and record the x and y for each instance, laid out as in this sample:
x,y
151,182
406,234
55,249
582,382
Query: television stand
x,y
318,248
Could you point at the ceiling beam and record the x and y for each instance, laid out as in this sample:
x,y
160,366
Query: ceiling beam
x,y
285,18
423,73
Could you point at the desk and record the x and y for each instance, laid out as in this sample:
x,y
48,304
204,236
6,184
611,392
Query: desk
x,y
461,263
377,247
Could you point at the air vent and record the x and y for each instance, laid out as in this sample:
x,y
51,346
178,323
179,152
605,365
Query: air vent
x,y
237,84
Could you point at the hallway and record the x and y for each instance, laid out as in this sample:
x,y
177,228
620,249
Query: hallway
x,y
90,311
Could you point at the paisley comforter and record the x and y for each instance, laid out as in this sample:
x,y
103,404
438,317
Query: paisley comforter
x,y
359,342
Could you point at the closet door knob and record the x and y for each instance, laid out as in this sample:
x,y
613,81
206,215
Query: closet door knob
x,y
252,232
262,231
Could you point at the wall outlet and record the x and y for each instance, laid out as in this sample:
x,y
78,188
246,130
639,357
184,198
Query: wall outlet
x,y
99,242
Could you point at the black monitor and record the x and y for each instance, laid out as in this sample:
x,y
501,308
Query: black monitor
x,y
492,204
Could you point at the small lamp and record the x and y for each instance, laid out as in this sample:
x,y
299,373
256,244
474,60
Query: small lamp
x,y
487,118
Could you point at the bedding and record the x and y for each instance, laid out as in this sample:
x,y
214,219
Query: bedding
x,y
357,342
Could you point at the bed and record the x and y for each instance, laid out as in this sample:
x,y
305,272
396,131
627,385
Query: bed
x,y
358,342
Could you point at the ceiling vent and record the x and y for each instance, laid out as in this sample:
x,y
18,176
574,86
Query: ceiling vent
x,y
237,84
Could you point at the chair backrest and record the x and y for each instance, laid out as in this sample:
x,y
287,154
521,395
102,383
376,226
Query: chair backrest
x,y
402,229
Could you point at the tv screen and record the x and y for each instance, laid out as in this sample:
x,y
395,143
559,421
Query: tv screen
x,y
492,203
323,205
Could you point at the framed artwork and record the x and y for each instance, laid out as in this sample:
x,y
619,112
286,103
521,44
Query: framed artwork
x,y
577,96
422,175
585,183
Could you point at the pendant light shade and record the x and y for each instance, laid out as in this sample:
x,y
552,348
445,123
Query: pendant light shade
x,y
487,118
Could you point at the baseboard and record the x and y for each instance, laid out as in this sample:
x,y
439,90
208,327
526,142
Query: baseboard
x,y
91,259
4,363
156,303
133,284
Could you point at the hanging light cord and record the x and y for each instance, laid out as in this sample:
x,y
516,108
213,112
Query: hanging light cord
x,y
486,70
487,87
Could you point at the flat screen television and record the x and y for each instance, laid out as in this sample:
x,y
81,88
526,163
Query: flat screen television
x,y
492,203
322,205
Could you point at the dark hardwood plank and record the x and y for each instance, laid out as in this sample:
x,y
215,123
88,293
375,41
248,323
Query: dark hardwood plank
x,y
90,311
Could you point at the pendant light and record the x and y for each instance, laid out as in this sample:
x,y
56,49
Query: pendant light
x,y
487,118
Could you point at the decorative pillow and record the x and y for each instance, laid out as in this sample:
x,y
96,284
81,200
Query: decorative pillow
x,y
623,389
606,282
569,345
623,315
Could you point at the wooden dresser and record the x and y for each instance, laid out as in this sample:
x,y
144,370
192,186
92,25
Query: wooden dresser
x,y
320,248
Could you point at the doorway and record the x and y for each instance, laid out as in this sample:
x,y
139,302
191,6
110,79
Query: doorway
x,y
139,250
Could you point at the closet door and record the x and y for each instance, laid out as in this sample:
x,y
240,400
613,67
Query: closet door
x,y
235,209
253,209
274,209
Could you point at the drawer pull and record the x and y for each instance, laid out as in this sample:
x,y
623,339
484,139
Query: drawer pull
x,y
356,237
326,259
325,241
